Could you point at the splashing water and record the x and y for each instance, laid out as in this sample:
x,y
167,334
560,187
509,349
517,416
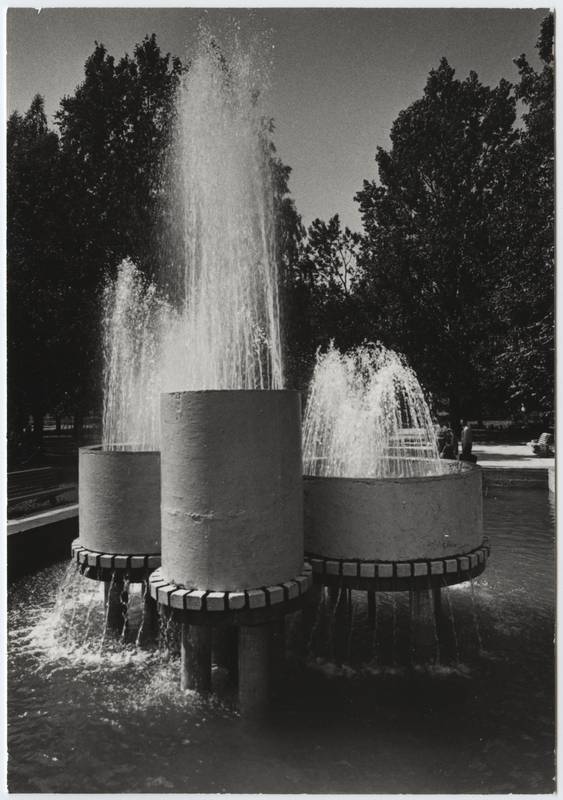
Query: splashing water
x,y
133,318
366,417
214,322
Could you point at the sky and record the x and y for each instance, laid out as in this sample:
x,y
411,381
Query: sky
x,y
338,76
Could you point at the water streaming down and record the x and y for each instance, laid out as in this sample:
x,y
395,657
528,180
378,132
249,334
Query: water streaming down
x,y
134,315
213,322
366,417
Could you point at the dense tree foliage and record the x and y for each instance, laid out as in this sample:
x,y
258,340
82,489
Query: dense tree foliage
x,y
77,206
454,266
35,261
323,302
525,296
115,131
458,252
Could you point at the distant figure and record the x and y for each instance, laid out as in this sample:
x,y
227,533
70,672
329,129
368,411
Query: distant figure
x,y
449,449
466,442
544,446
441,437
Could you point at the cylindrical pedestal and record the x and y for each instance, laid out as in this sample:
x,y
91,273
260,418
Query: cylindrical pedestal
x,y
232,507
395,519
257,615
253,661
196,658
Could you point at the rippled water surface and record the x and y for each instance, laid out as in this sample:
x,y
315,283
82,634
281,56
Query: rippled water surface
x,y
87,716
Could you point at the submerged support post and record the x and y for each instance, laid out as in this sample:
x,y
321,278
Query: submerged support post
x,y
150,622
423,632
371,609
225,649
115,602
310,616
196,657
437,606
341,626
277,652
253,660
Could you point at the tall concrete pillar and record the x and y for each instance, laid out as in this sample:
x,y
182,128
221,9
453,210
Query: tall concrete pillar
x,y
232,490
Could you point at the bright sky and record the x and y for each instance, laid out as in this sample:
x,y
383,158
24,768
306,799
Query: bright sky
x,y
339,76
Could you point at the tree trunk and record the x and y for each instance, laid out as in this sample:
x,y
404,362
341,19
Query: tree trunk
x,y
38,415
78,421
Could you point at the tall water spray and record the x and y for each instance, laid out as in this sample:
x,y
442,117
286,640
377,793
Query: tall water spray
x,y
132,323
366,417
214,322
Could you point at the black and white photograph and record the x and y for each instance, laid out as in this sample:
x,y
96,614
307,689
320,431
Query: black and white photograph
x,y
280,400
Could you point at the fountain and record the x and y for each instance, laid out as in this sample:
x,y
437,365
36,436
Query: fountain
x,y
119,480
198,424
194,404
382,511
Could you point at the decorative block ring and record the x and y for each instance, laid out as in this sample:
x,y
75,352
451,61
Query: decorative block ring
x,y
199,600
399,575
101,566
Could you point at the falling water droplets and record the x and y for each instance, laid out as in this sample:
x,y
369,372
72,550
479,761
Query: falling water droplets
x,y
366,417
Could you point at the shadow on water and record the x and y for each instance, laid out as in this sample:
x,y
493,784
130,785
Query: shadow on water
x,y
86,718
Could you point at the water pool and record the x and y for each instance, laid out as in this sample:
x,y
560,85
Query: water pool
x,y
483,721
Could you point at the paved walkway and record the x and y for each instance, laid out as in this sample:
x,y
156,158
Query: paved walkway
x,y
509,456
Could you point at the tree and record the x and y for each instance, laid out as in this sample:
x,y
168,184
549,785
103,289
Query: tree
x,y
525,297
115,133
325,304
430,256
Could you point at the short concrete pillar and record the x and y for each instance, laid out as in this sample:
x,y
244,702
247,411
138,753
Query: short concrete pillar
x,y
119,500
254,679
195,657
423,626
115,603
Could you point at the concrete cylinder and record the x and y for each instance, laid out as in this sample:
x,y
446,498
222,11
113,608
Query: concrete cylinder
x,y
395,519
232,491
119,500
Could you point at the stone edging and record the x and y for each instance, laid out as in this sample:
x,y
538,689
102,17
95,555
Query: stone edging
x,y
215,602
101,566
399,575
